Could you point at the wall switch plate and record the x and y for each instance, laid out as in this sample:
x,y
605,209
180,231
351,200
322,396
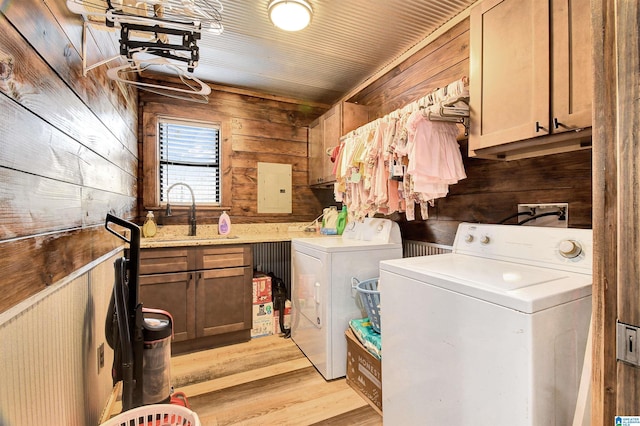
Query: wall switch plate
x,y
551,214
627,343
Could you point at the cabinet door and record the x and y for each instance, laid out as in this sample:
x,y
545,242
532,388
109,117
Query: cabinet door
x,y
174,293
316,152
509,92
223,300
332,130
353,116
571,76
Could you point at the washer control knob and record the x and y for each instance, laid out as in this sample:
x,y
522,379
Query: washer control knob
x,y
468,238
485,239
570,249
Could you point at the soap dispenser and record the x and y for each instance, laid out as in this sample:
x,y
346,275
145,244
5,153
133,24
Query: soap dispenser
x,y
149,228
224,224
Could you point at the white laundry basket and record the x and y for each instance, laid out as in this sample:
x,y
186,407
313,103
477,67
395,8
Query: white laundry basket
x,y
370,297
155,415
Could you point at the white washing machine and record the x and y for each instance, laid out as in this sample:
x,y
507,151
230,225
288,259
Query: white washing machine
x,y
493,333
323,300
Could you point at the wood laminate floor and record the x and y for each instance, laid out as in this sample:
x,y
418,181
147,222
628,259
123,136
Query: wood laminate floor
x,y
266,381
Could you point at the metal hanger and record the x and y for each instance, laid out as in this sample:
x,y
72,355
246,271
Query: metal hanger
x,y
193,89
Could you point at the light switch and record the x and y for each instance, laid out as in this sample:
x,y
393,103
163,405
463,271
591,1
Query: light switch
x,y
627,343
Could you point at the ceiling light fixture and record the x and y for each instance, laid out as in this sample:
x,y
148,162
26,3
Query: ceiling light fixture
x,y
290,15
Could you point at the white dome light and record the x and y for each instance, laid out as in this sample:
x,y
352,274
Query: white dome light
x,y
290,15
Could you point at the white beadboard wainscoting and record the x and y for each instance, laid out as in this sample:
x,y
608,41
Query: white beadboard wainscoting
x,y
48,351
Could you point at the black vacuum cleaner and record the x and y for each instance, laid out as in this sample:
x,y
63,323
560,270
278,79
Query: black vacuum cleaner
x,y
139,337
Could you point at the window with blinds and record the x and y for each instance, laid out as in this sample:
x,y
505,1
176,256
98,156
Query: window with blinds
x,y
189,154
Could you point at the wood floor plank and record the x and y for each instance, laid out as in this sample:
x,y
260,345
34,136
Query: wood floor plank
x,y
359,417
212,364
267,381
279,400
310,411
244,377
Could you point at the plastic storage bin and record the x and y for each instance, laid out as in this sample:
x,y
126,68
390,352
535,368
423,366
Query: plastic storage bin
x,y
370,297
156,415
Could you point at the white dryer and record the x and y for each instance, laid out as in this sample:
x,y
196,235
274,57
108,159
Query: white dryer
x,y
493,333
323,300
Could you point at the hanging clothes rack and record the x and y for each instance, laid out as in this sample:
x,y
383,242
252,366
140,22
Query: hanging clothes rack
x,y
449,103
189,15
156,41
404,159
162,34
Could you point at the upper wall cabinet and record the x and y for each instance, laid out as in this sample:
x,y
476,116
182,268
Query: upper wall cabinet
x,y
531,78
324,136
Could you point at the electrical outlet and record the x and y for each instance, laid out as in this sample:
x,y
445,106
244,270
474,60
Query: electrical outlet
x,y
100,352
551,214
627,343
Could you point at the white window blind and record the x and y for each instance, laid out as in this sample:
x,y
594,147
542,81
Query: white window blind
x,y
190,154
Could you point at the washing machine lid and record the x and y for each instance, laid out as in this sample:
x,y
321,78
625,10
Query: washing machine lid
x,y
369,234
337,244
517,286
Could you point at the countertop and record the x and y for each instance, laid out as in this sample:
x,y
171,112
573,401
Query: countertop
x,y
176,235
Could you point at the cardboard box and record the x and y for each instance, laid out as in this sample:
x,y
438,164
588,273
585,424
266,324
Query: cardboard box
x,y
364,372
261,289
262,320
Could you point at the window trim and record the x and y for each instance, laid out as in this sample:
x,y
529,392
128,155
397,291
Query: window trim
x,y
151,156
201,124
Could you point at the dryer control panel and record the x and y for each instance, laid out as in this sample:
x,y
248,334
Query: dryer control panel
x,y
558,248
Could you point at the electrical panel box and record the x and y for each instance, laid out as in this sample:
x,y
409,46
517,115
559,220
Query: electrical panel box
x,y
274,188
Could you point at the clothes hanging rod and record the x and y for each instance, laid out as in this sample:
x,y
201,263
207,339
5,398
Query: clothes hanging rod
x,y
453,115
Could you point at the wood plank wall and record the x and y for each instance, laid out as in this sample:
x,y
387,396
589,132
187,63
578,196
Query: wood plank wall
x,y
616,288
258,129
68,152
492,189
53,161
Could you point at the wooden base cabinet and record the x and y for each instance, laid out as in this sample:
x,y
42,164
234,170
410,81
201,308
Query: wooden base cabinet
x,y
530,75
207,290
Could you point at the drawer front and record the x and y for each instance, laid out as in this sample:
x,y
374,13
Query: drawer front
x,y
162,260
225,257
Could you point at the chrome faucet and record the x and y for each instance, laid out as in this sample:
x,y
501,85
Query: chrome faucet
x,y
192,212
